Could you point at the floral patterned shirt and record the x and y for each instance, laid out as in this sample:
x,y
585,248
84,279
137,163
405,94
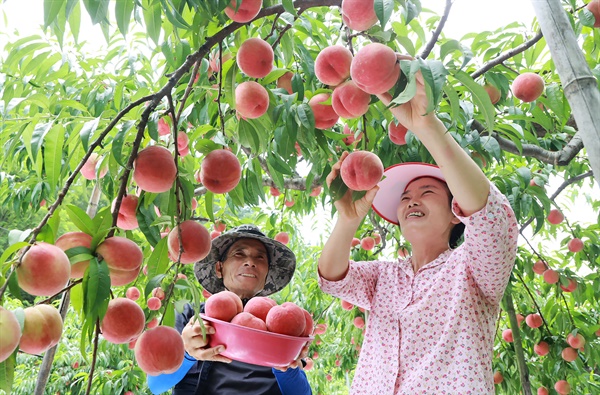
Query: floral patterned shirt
x,y
433,332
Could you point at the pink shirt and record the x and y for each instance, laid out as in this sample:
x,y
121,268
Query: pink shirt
x,y
432,332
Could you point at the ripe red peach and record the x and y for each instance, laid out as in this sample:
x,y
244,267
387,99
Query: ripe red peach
x,y
289,203
542,391
320,329
88,170
10,333
285,82
569,354
214,234
349,101
316,191
534,320
154,169
350,139
542,348
159,350
367,243
41,330
220,226
594,7
153,303
551,276
507,335
375,68
123,257
359,14
255,57
325,116
520,319
182,143
274,191
528,87
247,11
132,293
361,170
308,328
577,341
572,286
282,237
555,216
71,240
539,267
163,127
332,65
575,245
127,219
123,322
498,378
195,241
259,306
249,320
355,242
223,306
347,305
359,322
251,100
286,319
493,93
44,270
562,387
397,133
221,171
214,64
159,293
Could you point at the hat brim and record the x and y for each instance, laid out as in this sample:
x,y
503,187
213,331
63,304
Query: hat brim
x,y
396,178
282,263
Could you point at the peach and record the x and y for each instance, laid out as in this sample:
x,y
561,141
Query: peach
x,y
577,341
493,93
221,171
259,306
361,170
44,270
332,65
350,139
575,245
498,378
377,238
397,133
520,319
375,68
163,127
359,322
555,216
286,319
127,219
507,335
571,287
132,293
542,391
214,64
355,242
347,305
182,141
255,57
282,237
325,116
274,191
528,87
569,354
88,170
250,321
285,82
41,330
320,329
223,306
247,11
220,226
71,240
539,267
154,169
153,323
594,7
308,328
123,322
550,276
562,387
10,333
542,348
153,303
251,100
123,257
214,234
349,101
159,293
359,14
195,241
316,191
309,364
534,320
289,203
159,350
367,243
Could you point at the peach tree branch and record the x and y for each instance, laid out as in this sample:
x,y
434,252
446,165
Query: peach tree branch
x,y
437,32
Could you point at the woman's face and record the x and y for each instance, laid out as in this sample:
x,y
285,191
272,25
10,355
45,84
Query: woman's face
x,y
424,209
245,267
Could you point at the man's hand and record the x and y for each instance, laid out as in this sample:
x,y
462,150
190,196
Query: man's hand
x,y
196,345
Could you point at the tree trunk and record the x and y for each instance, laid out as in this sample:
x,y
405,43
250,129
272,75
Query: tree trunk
x,y
579,84
48,360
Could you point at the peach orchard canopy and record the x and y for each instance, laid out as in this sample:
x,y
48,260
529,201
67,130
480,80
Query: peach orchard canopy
x,y
282,261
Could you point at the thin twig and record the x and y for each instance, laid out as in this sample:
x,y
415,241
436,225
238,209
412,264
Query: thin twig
x,y
437,32
94,358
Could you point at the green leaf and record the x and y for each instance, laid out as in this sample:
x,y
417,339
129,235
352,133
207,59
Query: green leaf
x,y
53,153
278,164
525,174
159,259
277,177
288,5
383,10
409,69
87,131
306,116
80,219
77,298
11,250
452,98
168,318
96,288
123,11
117,144
97,9
480,98
174,17
7,372
208,205
434,74
338,188
152,18
51,10
146,216
74,17
37,138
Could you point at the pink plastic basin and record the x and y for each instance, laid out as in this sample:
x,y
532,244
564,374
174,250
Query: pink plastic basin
x,y
255,346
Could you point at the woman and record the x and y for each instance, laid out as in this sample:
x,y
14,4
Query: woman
x,y
432,316
248,263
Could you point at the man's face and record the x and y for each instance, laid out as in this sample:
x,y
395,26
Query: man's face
x,y
244,269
